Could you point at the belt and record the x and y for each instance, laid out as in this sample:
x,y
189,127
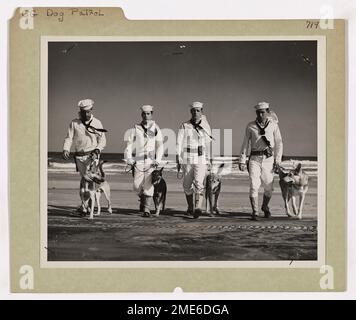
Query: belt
x,y
145,157
192,150
258,153
82,153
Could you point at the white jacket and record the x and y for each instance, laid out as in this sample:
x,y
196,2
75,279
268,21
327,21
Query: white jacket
x,y
145,145
254,140
82,139
189,140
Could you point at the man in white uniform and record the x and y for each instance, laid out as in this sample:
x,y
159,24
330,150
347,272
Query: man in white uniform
x,y
87,136
193,149
146,142
264,138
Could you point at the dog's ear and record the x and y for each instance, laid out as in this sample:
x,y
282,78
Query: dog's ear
x,y
161,170
298,168
220,169
282,172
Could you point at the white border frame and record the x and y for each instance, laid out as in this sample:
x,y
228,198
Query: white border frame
x,y
321,114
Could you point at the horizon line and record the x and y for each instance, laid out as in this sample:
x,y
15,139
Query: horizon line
x,y
215,155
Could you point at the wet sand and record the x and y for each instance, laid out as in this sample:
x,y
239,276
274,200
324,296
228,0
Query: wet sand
x,y
173,236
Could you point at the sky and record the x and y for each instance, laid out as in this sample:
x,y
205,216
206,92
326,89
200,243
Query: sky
x,y
229,77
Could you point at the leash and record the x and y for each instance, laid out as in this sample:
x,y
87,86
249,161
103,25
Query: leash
x,y
279,167
144,170
134,167
131,168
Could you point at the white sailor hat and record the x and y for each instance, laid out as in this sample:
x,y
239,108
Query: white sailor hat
x,y
262,105
86,104
196,105
147,108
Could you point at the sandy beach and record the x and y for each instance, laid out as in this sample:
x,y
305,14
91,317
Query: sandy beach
x,y
126,236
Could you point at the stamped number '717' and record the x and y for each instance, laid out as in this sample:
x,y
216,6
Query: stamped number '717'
x,y
312,24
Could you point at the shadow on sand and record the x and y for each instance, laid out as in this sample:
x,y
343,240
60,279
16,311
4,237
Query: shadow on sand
x,y
71,211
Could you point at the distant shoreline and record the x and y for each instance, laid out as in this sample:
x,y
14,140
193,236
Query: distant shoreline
x,y
116,157
116,164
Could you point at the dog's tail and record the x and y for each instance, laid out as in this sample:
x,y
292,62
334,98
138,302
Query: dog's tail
x,y
220,169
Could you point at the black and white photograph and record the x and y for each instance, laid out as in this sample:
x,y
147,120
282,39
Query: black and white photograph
x,y
183,150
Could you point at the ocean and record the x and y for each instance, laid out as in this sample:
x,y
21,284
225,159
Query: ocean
x,y
119,157
116,164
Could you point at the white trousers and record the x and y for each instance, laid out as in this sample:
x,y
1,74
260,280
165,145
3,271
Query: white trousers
x,y
83,163
143,178
194,175
261,171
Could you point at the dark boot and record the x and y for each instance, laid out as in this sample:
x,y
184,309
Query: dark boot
x,y
190,202
146,206
198,204
254,205
265,207
141,200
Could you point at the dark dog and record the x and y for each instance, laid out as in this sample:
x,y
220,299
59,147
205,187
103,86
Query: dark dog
x,y
212,191
160,191
293,183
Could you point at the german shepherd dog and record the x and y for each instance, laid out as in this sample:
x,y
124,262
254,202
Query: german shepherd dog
x,y
293,183
160,190
94,188
212,191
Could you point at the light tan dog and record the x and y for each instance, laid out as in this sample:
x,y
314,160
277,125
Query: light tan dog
x,y
93,189
293,183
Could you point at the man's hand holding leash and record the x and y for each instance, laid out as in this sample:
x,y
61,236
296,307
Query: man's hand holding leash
x,y
276,166
155,164
66,154
130,162
95,154
179,162
242,166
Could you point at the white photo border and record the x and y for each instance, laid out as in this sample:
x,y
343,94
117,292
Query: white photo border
x,y
321,189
